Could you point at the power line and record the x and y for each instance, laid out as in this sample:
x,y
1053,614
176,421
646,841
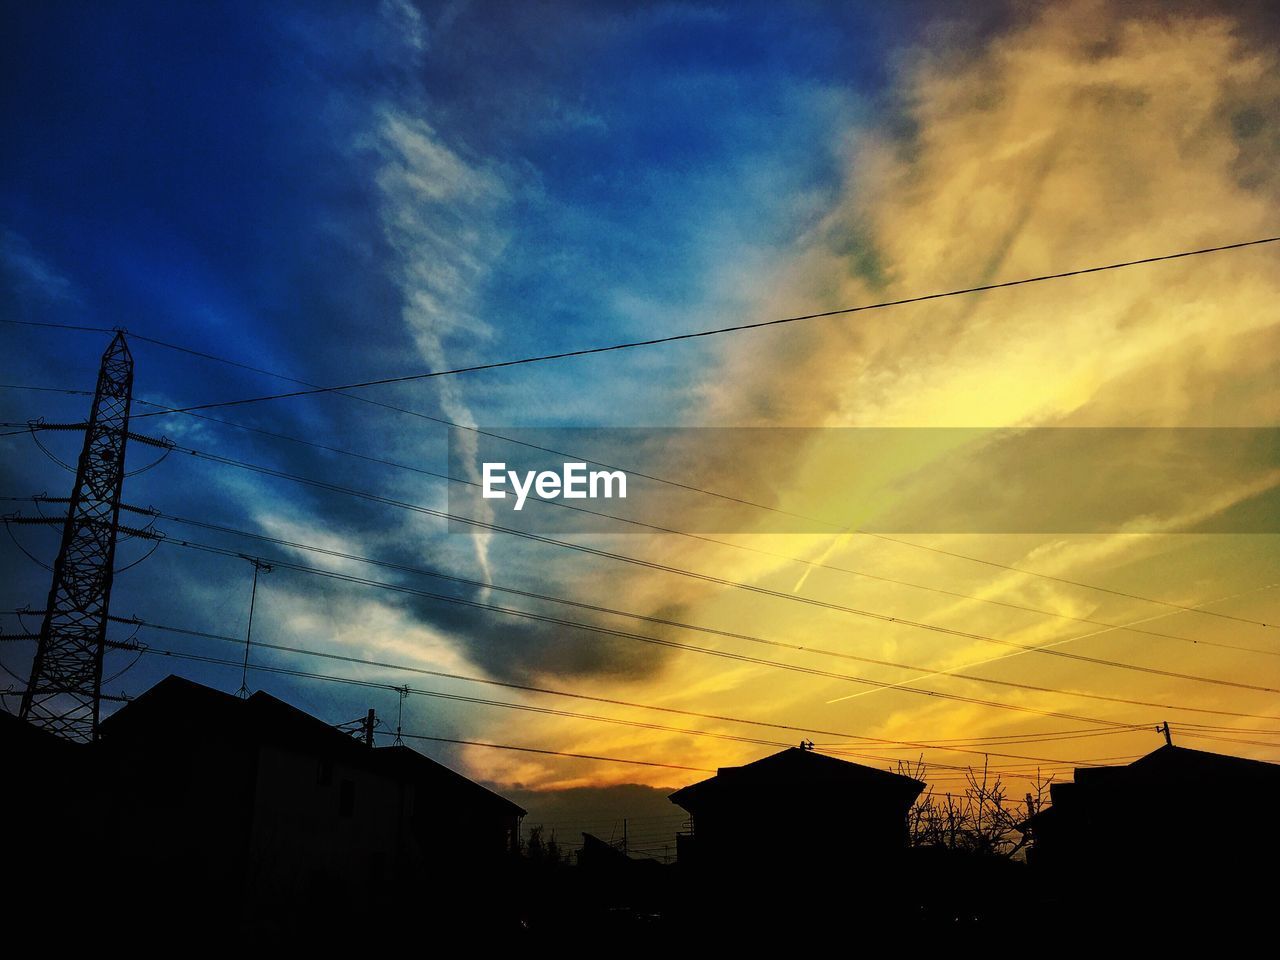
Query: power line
x,y
866,741
309,675
882,617
719,581
489,585
285,564
264,668
1047,734
608,631
644,638
62,326
1205,736
835,527
1130,628
555,753
735,328
1008,740
428,693
1074,583
36,388
674,816
1220,729
687,647
548,711
1127,627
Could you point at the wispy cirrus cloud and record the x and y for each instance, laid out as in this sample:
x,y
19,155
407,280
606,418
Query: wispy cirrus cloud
x,y
31,273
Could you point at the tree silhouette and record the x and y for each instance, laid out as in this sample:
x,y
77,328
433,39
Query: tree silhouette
x,y
981,820
534,848
543,852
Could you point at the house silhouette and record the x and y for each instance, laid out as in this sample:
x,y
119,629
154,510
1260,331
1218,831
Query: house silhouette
x,y
1175,825
794,831
597,854
829,808
261,803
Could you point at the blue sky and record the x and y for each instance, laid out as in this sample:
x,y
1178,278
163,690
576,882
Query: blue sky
x,y
340,191
213,169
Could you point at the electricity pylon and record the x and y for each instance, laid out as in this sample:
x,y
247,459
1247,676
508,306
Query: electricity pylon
x,y
64,694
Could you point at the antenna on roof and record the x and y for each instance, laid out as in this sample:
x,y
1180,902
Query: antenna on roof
x,y
259,566
404,693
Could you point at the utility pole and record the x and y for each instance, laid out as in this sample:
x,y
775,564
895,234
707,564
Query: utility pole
x,y
259,566
370,719
1168,735
64,692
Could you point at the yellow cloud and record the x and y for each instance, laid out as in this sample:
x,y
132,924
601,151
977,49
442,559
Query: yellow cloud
x,y
1085,135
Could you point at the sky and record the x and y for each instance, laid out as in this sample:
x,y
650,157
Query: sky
x,y
335,192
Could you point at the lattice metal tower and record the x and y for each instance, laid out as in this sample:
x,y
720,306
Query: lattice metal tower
x,y
64,693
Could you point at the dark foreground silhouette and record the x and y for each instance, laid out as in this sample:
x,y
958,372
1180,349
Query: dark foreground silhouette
x,y
204,819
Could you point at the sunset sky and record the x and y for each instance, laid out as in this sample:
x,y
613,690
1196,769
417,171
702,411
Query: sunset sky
x,y
342,192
